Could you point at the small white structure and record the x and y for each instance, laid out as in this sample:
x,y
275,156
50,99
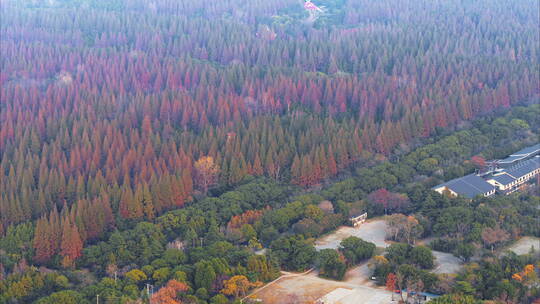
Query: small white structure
x,y
176,244
358,220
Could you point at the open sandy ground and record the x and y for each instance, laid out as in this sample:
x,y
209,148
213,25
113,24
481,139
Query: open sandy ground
x,y
523,245
372,231
360,275
307,288
375,231
446,263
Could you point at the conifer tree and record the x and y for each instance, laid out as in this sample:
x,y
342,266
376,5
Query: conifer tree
x,y
43,243
71,247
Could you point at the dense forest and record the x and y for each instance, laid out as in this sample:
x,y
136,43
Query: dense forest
x,y
219,237
167,143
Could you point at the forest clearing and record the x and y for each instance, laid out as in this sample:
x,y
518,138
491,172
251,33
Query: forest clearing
x,y
309,287
372,231
524,245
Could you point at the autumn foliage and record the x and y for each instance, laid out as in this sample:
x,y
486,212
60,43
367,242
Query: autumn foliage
x,y
238,286
206,172
391,282
113,113
478,161
170,293
77,122
248,217
60,234
127,133
390,202
494,236
527,275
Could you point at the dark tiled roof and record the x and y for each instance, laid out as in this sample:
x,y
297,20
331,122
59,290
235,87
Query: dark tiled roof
x,y
511,159
528,150
470,185
523,153
504,179
524,167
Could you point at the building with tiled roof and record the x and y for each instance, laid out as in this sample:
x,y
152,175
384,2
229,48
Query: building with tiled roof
x,y
520,155
522,166
469,186
509,180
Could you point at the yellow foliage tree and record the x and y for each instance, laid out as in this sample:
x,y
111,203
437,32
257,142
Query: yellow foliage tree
x,y
528,269
238,286
376,261
529,275
136,275
206,172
